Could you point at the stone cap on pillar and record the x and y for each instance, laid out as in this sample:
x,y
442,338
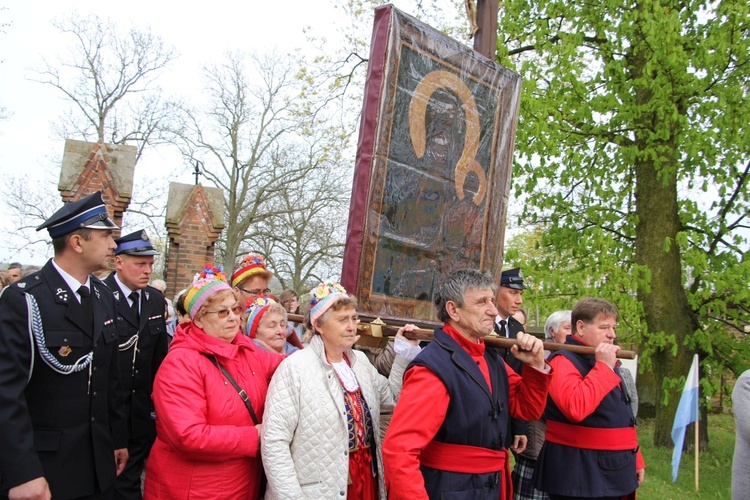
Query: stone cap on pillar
x,y
182,196
79,155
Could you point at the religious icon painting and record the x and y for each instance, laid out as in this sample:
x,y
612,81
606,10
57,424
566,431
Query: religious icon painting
x,y
433,164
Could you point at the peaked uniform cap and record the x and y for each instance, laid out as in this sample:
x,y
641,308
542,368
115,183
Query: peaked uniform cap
x,y
87,213
136,243
512,278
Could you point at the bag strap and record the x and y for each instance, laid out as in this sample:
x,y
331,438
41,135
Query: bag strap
x,y
240,390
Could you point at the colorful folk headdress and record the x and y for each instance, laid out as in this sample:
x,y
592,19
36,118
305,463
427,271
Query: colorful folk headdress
x,y
255,310
250,265
323,296
206,283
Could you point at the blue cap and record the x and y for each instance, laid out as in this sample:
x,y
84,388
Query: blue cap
x,y
89,212
512,278
136,243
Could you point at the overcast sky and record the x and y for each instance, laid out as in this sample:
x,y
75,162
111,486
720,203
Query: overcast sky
x,y
199,31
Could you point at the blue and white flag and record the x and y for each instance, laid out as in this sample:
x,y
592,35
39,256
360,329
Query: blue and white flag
x,y
687,413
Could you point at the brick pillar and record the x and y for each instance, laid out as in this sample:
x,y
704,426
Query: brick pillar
x,y
88,167
195,219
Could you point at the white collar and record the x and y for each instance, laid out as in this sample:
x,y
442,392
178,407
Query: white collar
x,y
127,291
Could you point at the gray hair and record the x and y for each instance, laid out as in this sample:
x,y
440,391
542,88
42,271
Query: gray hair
x,y
554,321
160,285
455,286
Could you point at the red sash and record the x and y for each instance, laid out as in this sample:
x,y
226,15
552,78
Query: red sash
x,y
468,459
591,438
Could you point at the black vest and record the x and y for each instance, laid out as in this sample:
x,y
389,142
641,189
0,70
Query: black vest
x,y
476,416
588,473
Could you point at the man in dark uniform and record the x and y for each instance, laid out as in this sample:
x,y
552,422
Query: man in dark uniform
x,y
143,343
509,300
62,424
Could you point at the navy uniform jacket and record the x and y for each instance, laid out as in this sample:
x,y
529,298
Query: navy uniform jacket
x,y
518,427
138,378
62,427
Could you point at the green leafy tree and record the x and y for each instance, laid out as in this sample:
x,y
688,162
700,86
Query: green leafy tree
x,y
632,151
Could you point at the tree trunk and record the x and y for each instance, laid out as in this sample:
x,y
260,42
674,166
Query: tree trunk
x,y
665,302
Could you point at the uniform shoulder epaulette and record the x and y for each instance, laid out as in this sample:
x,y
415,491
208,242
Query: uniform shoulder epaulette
x,y
25,284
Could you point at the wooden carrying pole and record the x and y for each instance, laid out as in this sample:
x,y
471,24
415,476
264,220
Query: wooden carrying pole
x,y
392,325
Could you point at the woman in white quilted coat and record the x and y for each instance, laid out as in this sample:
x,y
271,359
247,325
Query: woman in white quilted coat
x,y
321,431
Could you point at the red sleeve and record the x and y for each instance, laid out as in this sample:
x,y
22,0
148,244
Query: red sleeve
x,y
640,463
528,393
576,396
420,412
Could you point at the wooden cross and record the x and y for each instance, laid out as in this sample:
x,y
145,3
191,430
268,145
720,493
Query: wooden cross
x,y
485,41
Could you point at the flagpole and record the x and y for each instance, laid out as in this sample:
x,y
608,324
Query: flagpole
x,y
697,426
697,452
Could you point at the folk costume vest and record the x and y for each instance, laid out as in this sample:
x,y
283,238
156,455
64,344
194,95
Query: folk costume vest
x,y
477,415
597,455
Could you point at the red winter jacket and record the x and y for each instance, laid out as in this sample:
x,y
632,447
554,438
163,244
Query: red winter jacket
x,y
206,443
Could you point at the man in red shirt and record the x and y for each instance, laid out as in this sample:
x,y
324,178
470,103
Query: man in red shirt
x,y
591,436
450,426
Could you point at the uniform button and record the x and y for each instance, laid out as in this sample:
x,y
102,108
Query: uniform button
x,y
95,368
65,340
95,394
137,350
93,419
136,372
133,391
95,345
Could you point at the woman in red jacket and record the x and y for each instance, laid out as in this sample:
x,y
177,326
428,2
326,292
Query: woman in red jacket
x,y
207,441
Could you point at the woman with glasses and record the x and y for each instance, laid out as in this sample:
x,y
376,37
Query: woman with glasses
x,y
251,278
207,442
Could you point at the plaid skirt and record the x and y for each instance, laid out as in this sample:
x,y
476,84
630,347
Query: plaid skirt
x,y
523,486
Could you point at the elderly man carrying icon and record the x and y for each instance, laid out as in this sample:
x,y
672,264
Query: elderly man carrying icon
x,y
449,429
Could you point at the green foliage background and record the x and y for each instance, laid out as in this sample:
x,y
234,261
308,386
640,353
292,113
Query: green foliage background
x,y
631,174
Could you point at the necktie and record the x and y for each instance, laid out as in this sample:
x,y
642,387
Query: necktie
x,y
88,307
503,331
135,307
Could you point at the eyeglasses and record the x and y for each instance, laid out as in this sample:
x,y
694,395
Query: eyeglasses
x,y
256,292
236,310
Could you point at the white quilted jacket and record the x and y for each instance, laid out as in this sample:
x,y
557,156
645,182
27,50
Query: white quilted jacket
x,y
304,439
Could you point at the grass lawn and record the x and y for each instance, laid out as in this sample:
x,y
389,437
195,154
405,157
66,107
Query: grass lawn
x,y
715,465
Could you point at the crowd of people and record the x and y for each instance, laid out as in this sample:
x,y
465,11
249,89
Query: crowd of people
x,y
108,390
